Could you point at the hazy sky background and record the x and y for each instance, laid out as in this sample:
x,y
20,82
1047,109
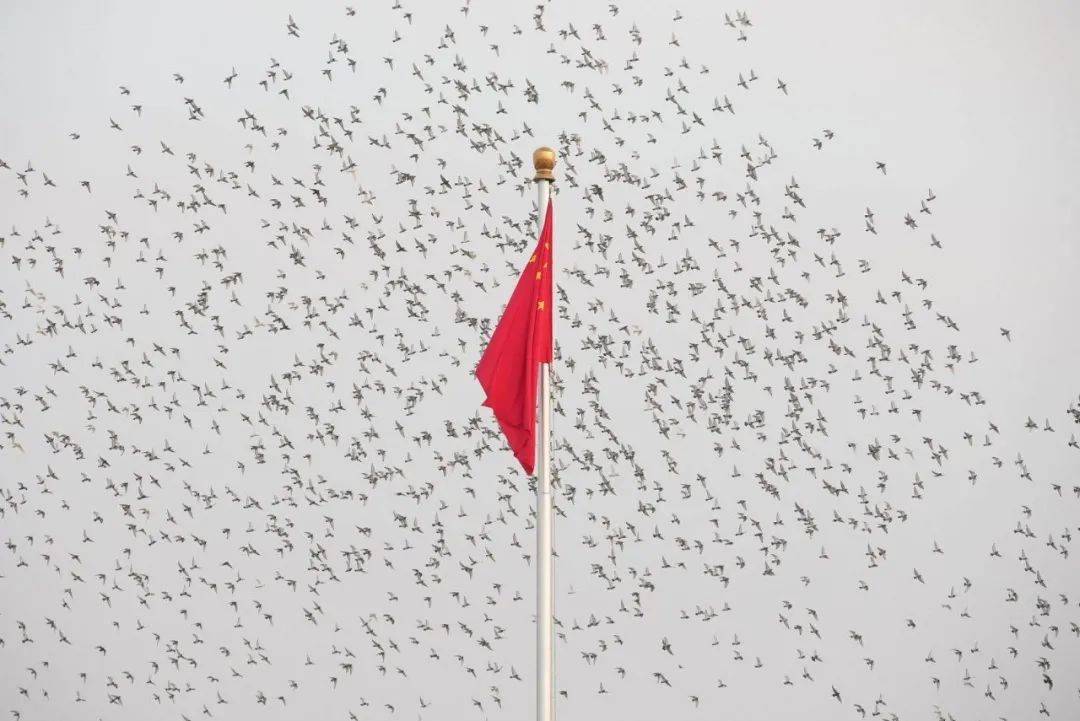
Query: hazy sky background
x,y
976,101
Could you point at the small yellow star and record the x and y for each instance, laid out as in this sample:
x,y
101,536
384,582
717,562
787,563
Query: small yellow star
x,y
540,305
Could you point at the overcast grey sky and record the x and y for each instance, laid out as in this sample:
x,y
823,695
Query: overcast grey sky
x,y
972,102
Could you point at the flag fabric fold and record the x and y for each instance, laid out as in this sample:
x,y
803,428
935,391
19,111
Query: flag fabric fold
x,y
509,369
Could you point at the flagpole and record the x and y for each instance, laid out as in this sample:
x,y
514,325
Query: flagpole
x,y
544,164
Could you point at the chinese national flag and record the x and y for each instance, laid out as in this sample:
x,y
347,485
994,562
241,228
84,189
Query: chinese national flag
x,y
510,367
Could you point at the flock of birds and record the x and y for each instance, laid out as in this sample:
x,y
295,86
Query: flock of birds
x,y
246,473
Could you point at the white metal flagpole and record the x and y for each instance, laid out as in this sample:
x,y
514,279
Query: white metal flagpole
x,y
544,163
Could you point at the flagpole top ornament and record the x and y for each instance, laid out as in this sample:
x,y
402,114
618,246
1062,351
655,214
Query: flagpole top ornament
x,y
544,163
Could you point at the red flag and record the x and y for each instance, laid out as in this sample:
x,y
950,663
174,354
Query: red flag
x,y
510,367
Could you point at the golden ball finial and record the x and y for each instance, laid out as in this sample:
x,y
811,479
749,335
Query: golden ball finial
x,y
544,163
